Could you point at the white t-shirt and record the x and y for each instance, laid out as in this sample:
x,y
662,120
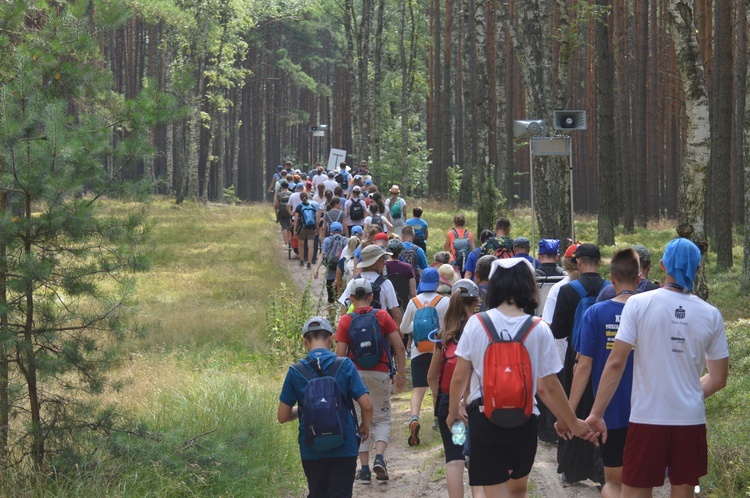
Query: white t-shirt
x,y
396,221
350,221
368,223
549,311
673,334
294,201
320,200
331,184
319,179
388,298
407,323
540,344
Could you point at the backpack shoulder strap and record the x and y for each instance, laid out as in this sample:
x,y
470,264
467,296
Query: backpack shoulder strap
x,y
578,287
526,328
436,300
301,367
455,232
373,312
417,302
379,281
333,370
489,327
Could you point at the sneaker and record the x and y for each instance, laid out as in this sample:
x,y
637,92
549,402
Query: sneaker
x,y
301,263
363,476
380,469
414,432
309,266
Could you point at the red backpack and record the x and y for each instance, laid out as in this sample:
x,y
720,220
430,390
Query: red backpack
x,y
507,381
448,360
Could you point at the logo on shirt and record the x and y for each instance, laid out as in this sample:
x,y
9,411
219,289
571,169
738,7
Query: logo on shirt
x,y
679,313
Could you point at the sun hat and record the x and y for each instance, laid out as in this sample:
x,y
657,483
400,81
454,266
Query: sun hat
x,y
448,274
317,323
681,260
371,255
395,190
336,227
429,281
466,288
549,246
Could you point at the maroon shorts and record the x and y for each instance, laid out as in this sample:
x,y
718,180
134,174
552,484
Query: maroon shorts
x,y
651,449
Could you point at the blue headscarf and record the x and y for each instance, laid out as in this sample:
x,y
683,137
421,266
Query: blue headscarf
x,y
681,259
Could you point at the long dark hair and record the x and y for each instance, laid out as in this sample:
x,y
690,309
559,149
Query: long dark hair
x,y
514,285
377,198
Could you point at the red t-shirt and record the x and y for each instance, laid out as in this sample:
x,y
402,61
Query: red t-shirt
x,y
387,327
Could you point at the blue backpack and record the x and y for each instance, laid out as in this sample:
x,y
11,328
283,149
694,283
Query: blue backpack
x,y
308,215
587,300
366,339
323,406
426,320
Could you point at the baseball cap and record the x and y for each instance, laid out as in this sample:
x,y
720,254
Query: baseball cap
x,y
336,227
331,174
368,182
381,236
549,246
466,288
429,281
587,250
357,177
279,167
370,255
357,188
681,260
299,186
356,230
570,251
394,246
521,242
317,323
643,254
360,286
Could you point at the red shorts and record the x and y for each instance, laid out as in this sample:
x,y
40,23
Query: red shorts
x,y
651,449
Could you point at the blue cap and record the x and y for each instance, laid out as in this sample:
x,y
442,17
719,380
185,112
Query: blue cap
x,y
279,167
299,186
549,246
430,280
336,227
368,182
681,260
357,230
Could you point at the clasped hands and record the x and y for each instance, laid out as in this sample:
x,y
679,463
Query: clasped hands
x,y
590,429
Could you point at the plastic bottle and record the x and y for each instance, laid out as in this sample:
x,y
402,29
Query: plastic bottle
x,y
458,429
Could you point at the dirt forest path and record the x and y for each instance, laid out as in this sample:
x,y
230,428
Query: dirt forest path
x,y
420,471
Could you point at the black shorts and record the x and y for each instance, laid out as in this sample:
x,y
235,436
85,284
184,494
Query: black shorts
x,y
613,449
499,454
286,223
419,367
452,451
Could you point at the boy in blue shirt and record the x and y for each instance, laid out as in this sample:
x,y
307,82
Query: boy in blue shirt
x,y
600,324
329,473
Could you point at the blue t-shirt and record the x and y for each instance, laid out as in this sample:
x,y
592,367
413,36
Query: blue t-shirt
x,y
528,258
421,256
600,324
419,225
471,261
351,386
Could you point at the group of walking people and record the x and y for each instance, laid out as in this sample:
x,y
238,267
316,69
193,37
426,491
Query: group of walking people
x,y
619,383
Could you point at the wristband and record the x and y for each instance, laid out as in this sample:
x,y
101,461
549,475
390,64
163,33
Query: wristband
x,y
403,375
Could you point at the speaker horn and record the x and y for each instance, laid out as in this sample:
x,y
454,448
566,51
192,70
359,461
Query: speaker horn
x,y
529,128
569,120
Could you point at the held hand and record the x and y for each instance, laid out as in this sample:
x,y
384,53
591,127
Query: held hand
x,y
315,275
563,431
598,425
364,431
399,382
583,431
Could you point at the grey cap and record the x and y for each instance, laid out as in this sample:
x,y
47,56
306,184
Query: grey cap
x,y
643,254
521,242
317,323
360,286
466,288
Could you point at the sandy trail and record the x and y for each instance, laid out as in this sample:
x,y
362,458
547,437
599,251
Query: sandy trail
x,y
420,471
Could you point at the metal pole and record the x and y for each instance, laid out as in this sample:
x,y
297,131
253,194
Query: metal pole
x,y
570,167
533,210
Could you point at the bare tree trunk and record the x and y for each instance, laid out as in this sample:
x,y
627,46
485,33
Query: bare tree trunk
x,y
721,135
605,133
692,190
746,166
470,74
623,127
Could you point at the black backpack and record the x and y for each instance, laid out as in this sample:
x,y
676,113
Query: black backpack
x,y
283,198
376,292
378,220
356,210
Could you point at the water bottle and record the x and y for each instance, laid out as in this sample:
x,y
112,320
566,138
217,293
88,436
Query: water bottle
x,y
459,433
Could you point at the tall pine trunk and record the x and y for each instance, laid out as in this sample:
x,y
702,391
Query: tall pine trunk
x,y
605,100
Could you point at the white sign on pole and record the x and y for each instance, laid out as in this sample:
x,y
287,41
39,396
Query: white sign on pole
x,y
335,158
